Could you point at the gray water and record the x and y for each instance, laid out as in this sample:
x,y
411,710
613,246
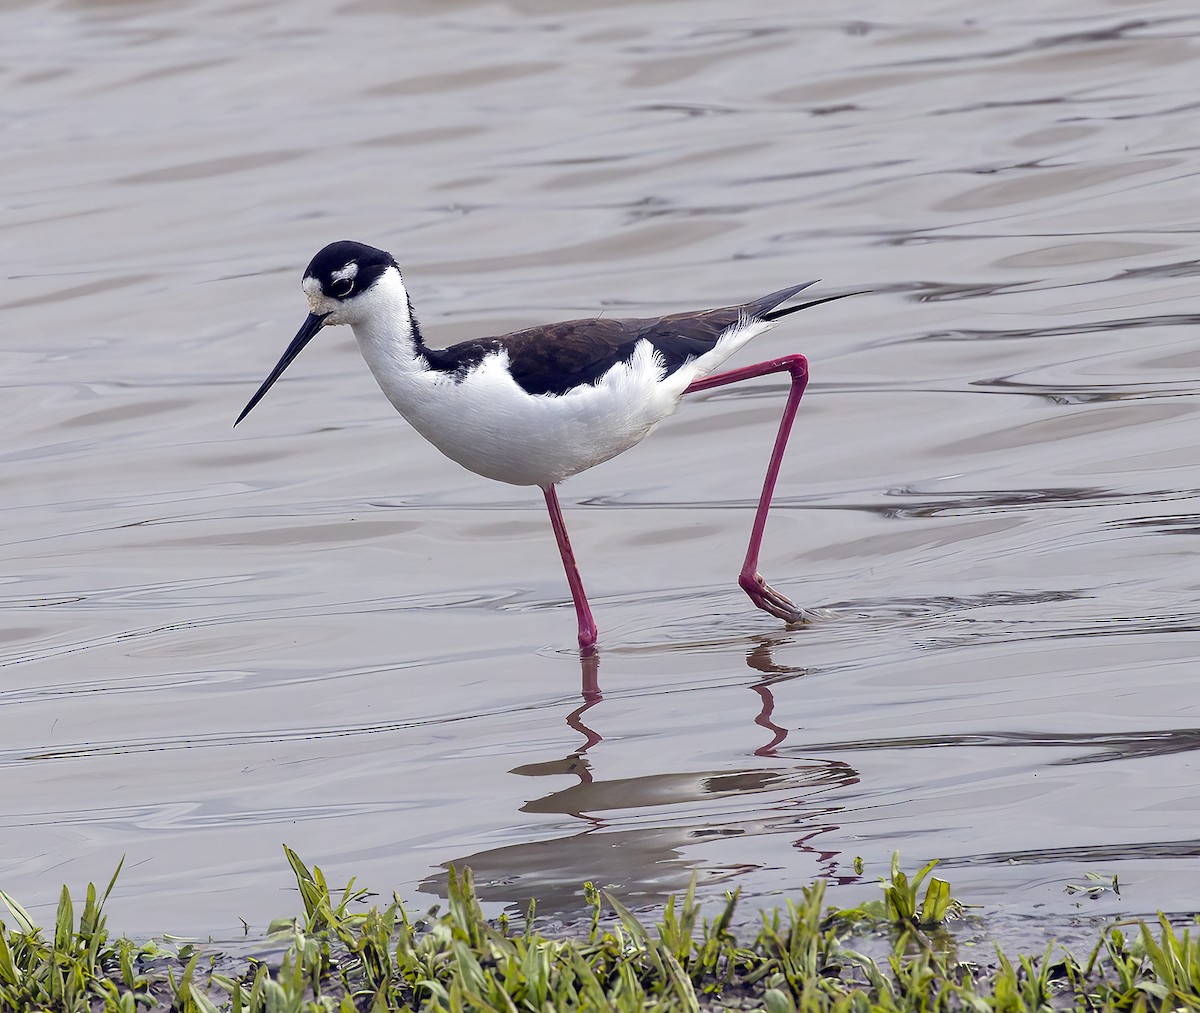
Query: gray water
x,y
315,630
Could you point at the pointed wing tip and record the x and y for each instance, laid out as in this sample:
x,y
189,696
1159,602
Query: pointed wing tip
x,y
770,312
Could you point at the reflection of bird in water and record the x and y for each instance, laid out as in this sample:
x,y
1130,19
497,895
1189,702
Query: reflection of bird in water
x,y
645,831
537,406
760,658
592,796
642,832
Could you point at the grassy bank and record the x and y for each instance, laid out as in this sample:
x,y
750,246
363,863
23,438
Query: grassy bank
x,y
337,956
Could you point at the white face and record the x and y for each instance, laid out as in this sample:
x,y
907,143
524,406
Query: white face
x,y
318,302
346,310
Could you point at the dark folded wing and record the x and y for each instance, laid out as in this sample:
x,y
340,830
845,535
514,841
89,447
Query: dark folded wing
x,y
553,358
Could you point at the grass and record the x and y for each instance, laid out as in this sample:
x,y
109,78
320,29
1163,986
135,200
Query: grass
x,y
338,956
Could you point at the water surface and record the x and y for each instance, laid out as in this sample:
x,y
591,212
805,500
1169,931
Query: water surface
x,y
314,630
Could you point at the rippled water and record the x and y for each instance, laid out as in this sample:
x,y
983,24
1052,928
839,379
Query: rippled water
x,y
314,630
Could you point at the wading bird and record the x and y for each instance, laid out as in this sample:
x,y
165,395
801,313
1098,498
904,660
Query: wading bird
x,y
539,405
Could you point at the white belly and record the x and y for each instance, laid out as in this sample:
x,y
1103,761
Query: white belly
x,y
490,426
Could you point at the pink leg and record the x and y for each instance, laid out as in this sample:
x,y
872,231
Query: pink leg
x,y
587,625
750,580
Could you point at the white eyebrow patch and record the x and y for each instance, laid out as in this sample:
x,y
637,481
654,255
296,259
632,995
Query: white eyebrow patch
x,y
349,271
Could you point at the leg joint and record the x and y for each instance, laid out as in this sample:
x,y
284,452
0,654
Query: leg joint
x,y
795,364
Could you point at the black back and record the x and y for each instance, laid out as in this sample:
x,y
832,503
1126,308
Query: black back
x,y
553,358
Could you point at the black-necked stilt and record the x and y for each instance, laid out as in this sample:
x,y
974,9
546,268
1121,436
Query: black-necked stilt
x,y
539,405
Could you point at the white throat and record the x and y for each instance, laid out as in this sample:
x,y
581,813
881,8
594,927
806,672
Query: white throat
x,y
383,326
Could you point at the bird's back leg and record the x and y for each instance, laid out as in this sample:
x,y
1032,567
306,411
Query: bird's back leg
x,y
750,580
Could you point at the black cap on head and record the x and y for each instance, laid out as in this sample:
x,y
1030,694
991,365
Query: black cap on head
x,y
346,268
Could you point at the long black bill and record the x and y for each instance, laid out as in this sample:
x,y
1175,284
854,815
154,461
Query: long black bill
x,y
307,332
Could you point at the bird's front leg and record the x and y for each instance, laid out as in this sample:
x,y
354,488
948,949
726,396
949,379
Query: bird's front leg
x,y
583,611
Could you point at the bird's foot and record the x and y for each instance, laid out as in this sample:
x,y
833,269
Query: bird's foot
x,y
769,600
588,635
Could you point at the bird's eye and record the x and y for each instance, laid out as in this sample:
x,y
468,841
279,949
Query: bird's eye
x,y
341,287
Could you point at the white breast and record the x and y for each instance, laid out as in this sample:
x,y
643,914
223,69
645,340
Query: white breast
x,y
490,426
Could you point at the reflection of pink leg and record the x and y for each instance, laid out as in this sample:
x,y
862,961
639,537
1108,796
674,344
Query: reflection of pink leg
x,y
751,581
764,719
589,669
587,625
